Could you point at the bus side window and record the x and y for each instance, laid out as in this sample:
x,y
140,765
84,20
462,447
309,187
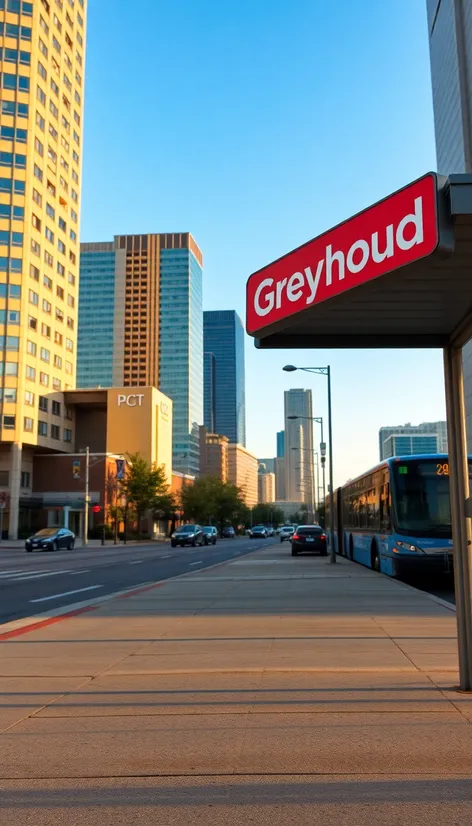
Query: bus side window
x,y
385,508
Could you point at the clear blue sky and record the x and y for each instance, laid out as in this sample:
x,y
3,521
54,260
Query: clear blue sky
x,y
255,125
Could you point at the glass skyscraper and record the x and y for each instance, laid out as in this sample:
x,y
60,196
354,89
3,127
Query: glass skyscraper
x,y
225,402
96,316
141,324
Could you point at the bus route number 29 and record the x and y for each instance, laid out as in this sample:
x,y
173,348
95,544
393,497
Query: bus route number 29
x,y
442,470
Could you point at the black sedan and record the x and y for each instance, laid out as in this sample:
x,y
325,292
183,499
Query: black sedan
x,y
228,532
259,532
210,535
309,538
50,539
187,535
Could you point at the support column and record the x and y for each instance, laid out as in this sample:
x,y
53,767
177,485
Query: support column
x,y
66,512
461,525
15,487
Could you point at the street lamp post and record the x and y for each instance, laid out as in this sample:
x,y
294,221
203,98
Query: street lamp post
x,y
324,371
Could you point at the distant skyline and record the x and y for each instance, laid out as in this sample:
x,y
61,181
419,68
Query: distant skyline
x,y
262,136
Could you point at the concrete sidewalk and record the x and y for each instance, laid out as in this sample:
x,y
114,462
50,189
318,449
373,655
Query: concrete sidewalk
x,y
269,689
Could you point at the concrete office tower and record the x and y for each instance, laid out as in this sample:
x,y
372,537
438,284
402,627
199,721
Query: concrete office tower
x,y
213,454
141,323
299,478
42,90
225,399
450,46
242,471
266,487
280,478
407,439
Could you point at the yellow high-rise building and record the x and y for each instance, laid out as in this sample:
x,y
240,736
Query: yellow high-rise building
x,y
42,59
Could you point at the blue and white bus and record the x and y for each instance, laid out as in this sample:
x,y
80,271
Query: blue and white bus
x,y
396,518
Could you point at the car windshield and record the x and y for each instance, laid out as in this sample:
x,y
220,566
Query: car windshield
x,y
421,497
187,529
259,528
47,532
207,529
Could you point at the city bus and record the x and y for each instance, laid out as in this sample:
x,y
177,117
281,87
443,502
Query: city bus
x,y
396,518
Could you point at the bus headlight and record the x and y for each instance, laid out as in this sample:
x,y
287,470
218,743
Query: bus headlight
x,y
405,546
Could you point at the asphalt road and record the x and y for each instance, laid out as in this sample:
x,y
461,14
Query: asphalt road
x,y
35,583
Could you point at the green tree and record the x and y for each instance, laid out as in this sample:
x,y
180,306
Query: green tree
x,y
267,514
210,501
144,486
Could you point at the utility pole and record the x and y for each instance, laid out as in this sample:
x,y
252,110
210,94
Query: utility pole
x,y
87,496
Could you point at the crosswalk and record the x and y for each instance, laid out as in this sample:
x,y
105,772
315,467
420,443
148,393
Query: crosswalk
x,y
24,575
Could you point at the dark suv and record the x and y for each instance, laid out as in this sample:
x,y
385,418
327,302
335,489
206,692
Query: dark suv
x,y
309,538
210,535
187,535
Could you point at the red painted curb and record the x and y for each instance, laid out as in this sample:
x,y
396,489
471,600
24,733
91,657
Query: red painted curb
x,y
18,632
140,590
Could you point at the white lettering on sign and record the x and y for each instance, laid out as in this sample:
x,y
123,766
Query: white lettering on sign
x,y
336,264
133,400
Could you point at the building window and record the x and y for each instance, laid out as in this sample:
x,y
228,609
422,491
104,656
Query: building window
x,y
45,331
9,395
71,300
25,476
69,345
58,362
71,278
47,282
4,479
48,259
59,317
56,383
37,198
61,270
61,247
29,398
43,404
44,354
28,426
60,293
42,428
36,222
54,87
8,368
69,367
30,373
38,172
55,431
32,323
44,379
9,422
56,408
13,343
42,71
43,48
47,306
51,211
41,95
67,435
31,347
53,109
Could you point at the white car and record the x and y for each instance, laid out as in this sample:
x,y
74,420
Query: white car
x,y
286,533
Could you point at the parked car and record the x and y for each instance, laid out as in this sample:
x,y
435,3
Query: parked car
x,y
187,535
309,538
270,531
210,535
259,532
50,539
228,532
286,533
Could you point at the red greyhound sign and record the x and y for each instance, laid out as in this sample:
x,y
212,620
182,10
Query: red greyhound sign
x,y
397,231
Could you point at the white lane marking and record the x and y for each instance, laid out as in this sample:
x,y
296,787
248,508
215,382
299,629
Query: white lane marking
x,y
66,593
85,571
165,556
26,577
25,571
136,562
200,562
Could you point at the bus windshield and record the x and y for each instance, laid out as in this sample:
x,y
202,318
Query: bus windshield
x,y
422,503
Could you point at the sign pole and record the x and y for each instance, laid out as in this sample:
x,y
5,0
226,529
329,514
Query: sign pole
x,y
87,497
461,525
